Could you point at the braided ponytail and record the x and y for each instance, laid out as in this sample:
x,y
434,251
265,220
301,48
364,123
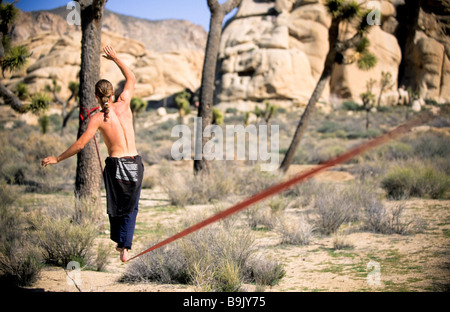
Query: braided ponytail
x,y
105,110
104,90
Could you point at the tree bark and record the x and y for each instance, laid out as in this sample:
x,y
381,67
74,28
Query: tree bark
x,y
218,13
88,174
323,80
12,100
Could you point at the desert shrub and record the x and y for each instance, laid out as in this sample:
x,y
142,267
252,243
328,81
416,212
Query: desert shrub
x,y
303,153
65,231
264,271
352,106
260,216
367,134
266,213
396,150
63,241
149,182
341,241
215,258
44,121
231,110
332,209
185,188
380,219
251,180
303,192
329,127
82,211
326,151
102,257
20,262
278,204
415,179
227,277
218,117
375,216
21,157
296,231
165,265
335,204
20,265
440,122
22,91
224,180
430,145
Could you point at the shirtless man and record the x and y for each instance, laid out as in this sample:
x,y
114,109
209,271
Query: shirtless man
x,y
124,170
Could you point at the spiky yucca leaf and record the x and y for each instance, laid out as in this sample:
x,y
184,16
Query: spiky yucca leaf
x,y
39,102
15,58
367,61
362,45
349,10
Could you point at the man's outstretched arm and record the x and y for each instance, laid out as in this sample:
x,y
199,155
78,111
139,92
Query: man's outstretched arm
x,y
128,89
76,147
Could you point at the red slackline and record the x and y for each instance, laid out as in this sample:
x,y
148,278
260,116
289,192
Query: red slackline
x,y
421,119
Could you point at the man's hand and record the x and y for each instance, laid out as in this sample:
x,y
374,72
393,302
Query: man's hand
x,y
110,53
49,161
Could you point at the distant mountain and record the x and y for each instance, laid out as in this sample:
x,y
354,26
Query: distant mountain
x,y
157,36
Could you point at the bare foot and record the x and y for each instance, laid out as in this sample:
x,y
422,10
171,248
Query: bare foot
x,y
124,255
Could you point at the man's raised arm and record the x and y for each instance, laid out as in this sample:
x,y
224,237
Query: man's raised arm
x,y
128,89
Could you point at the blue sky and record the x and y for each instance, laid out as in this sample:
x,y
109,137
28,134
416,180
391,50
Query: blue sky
x,y
195,11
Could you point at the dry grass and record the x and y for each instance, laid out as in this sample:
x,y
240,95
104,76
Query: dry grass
x,y
295,230
217,258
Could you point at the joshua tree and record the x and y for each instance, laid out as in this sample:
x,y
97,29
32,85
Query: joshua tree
x,y
368,99
137,105
385,82
341,11
55,89
182,100
218,12
217,117
11,58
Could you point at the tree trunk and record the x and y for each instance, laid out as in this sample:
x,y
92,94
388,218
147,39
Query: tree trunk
x,y
323,80
218,13
367,119
379,97
87,182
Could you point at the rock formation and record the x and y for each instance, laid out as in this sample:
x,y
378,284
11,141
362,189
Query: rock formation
x,y
275,49
163,63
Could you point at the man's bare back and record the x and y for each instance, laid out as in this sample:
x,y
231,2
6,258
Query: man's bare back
x,y
117,131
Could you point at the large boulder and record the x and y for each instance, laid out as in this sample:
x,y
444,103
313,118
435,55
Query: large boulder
x,y
348,81
272,51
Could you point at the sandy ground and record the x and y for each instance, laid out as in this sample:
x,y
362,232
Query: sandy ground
x,y
377,262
